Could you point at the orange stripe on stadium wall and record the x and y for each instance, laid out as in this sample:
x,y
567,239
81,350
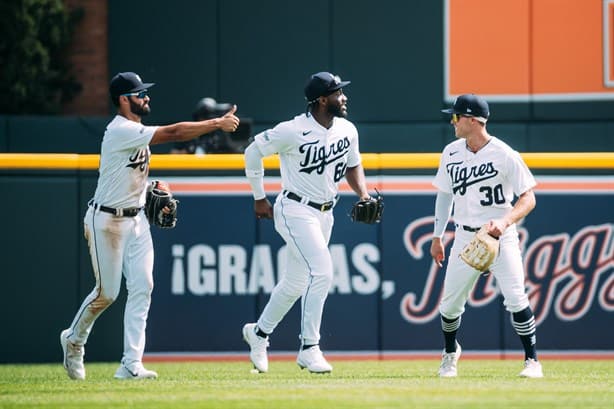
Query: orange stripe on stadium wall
x,y
385,184
521,50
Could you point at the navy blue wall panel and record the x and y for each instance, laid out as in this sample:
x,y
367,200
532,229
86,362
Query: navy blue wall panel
x,y
422,137
4,146
44,134
391,50
268,49
565,137
514,134
205,272
174,45
39,244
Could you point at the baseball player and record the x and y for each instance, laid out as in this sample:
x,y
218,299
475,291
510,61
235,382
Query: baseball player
x,y
116,227
481,175
316,150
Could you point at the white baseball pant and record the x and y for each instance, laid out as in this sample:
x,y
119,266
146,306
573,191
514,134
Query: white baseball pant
x,y
118,244
308,271
507,269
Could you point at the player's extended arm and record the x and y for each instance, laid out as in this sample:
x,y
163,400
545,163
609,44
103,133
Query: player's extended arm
x,y
522,207
443,209
356,179
255,176
184,131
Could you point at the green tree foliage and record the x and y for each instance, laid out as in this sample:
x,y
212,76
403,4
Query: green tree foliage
x,y
35,74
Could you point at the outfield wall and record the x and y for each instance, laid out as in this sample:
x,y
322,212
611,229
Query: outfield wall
x,y
215,271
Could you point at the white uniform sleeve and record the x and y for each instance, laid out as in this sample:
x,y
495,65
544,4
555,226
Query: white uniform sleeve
x,y
275,140
443,209
521,177
354,158
442,181
132,134
254,170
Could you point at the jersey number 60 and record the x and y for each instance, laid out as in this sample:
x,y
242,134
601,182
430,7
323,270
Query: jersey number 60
x,y
340,171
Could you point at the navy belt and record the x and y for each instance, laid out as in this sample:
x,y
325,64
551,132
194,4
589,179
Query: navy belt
x,y
468,228
323,207
127,212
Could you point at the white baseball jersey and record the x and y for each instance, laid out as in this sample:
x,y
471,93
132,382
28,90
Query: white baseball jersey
x,y
120,246
313,159
124,164
483,183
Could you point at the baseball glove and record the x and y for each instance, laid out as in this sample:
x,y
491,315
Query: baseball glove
x,y
481,251
368,211
160,207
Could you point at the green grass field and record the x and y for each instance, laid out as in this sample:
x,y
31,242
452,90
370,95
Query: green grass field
x,y
357,384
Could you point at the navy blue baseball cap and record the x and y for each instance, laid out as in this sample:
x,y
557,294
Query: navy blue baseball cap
x,y
470,105
323,84
127,82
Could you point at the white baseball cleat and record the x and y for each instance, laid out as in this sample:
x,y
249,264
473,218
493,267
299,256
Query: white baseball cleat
x,y
532,369
257,346
447,369
313,360
73,357
136,371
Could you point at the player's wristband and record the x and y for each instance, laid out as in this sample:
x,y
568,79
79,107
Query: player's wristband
x,y
443,208
257,184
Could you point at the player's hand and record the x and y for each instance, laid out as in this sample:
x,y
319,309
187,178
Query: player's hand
x,y
497,227
437,251
229,122
263,209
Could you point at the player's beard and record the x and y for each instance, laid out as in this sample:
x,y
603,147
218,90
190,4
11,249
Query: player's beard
x,y
336,110
140,110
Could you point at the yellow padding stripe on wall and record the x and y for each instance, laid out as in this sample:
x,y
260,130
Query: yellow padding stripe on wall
x,y
372,161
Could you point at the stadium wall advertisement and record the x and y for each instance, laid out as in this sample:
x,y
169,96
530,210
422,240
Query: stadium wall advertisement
x,y
216,269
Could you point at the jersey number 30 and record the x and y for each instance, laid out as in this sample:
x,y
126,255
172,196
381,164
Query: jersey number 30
x,y
492,195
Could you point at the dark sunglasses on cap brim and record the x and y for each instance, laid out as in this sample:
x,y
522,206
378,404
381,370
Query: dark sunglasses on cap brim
x,y
139,95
